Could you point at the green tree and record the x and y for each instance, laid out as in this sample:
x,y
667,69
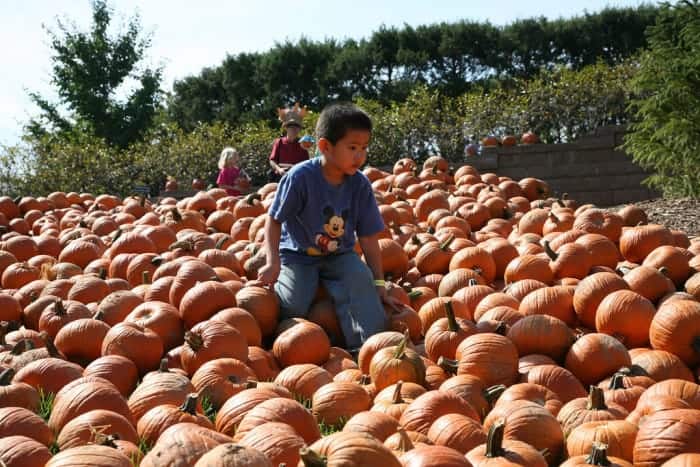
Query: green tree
x,y
100,85
665,134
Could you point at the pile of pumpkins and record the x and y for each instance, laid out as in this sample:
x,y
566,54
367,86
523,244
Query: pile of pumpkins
x,y
534,332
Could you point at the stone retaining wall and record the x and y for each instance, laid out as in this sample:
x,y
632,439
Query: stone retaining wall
x,y
590,169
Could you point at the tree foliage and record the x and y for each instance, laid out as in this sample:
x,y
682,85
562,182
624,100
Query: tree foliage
x,y
101,87
665,136
559,104
453,58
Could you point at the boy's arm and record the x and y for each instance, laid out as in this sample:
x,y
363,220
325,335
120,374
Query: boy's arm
x,y
373,258
370,247
269,273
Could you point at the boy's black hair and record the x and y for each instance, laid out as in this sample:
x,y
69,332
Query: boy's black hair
x,y
336,119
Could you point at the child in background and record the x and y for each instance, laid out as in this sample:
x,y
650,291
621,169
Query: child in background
x,y
320,206
231,177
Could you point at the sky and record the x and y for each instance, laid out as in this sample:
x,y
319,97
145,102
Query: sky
x,y
188,35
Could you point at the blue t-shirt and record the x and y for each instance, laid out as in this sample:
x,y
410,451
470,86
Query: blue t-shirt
x,y
318,218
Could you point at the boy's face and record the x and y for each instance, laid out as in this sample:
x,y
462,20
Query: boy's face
x,y
293,131
349,153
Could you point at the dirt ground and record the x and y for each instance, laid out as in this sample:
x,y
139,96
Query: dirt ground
x,y
681,214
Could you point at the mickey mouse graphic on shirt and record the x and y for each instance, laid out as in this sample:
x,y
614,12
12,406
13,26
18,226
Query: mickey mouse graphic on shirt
x,y
330,239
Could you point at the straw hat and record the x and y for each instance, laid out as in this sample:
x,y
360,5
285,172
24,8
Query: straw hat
x,y
292,116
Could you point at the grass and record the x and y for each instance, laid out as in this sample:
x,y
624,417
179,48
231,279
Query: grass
x,y
45,404
330,429
209,409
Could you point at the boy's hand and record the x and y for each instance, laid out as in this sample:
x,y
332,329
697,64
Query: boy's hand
x,y
269,273
392,302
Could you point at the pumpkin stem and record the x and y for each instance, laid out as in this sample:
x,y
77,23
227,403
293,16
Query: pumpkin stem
x,y
501,328
447,242
695,344
365,380
396,398
252,197
146,277
401,348
176,214
548,249
58,307
220,244
194,340
405,443
617,381
22,346
53,351
6,376
108,440
494,442
413,294
311,458
190,404
598,455
452,324
472,282
596,399
492,393
163,367
448,365
187,245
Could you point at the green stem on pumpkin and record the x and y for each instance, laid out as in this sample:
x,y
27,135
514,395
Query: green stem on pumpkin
x,y
311,458
220,243
598,455
501,328
195,341
449,365
405,443
494,442
190,404
548,249
6,376
492,393
447,242
401,348
22,346
396,397
452,324
617,381
58,308
695,344
163,367
596,399
413,294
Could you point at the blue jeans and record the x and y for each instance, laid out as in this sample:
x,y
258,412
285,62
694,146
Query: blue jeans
x,y
351,285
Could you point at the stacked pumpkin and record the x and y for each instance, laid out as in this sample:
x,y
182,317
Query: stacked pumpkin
x,y
534,332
